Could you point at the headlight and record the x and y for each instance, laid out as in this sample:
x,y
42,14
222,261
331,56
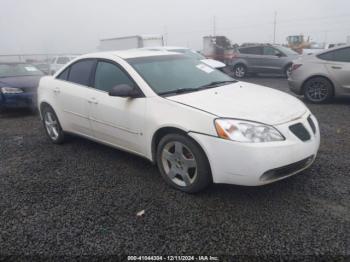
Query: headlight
x,y
11,90
245,131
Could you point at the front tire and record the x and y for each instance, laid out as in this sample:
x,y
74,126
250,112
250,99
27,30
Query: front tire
x,y
183,164
52,125
318,90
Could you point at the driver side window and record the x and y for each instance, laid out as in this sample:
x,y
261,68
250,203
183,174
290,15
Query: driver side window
x,y
270,51
109,75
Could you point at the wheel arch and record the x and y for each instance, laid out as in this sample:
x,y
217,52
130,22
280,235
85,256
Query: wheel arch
x,y
241,62
163,131
290,63
41,107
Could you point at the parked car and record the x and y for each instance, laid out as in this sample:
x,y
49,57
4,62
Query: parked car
x,y
18,85
44,67
190,53
58,61
196,123
265,58
321,76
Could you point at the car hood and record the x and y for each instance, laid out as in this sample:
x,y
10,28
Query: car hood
x,y
213,63
24,82
245,101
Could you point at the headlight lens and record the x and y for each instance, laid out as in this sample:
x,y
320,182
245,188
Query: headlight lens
x,y
11,90
245,131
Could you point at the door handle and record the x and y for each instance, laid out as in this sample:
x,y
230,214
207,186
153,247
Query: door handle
x,y
336,67
56,90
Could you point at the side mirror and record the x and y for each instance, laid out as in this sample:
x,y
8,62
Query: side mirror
x,y
278,54
125,90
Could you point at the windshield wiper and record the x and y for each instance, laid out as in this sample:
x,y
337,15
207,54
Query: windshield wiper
x,y
207,86
179,91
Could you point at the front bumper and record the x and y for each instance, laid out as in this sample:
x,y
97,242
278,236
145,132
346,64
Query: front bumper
x,y
18,100
254,164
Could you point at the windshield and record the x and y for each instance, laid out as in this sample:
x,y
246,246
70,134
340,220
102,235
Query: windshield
x,y
286,50
173,72
8,70
189,53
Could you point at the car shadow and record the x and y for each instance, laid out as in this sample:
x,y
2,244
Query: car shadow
x,y
17,112
267,76
142,168
341,100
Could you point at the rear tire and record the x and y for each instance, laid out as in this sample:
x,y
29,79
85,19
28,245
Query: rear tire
x,y
240,71
183,164
318,90
52,125
288,70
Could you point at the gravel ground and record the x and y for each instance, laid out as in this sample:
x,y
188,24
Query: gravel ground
x,y
82,198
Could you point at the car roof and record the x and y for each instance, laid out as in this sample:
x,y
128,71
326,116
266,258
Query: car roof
x,y
130,53
259,45
169,48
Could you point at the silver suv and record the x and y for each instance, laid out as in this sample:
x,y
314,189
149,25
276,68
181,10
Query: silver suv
x,y
265,58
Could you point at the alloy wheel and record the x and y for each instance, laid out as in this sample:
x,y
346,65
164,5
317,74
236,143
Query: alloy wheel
x,y
51,125
240,71
179,163
317,91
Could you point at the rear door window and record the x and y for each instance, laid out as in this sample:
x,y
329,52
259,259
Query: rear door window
x,y
80,72
268,50
340,55
254,50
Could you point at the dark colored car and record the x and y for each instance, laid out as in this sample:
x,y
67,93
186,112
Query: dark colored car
x,y
18,85
264,58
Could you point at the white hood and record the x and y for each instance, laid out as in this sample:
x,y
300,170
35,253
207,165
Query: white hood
x,y
245,101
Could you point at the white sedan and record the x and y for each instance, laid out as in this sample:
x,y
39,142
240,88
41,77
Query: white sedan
x,y
196,123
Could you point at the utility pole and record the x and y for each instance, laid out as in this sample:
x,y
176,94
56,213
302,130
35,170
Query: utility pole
x,y
214,26
274,28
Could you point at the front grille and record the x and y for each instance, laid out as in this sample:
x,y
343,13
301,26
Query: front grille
x,y
312,124
286,170
300,131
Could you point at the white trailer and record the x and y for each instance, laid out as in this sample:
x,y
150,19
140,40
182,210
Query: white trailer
x,y
130,42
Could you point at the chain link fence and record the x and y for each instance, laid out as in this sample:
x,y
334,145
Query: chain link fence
x,y
41,61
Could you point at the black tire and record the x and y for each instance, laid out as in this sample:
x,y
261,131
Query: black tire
x,y
203,177
240,71
318,90
60,133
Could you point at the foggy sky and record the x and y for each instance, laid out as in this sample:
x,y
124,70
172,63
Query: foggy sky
x,y
75,26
